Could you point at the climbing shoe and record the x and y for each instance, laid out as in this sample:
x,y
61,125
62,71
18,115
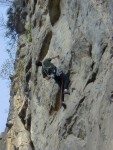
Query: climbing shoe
x,y
66,92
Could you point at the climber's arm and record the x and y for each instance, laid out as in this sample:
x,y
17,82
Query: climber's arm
x,y
55,57
47,78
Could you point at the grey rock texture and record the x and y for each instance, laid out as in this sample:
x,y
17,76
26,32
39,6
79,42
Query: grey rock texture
x,y
80,32
3,141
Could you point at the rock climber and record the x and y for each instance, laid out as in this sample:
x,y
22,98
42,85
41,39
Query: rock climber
x,y
49,70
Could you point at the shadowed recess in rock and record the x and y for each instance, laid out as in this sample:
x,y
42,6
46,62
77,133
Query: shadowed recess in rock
x,y
80,102
58,101
22,113
28,76
92,78
28,123
16,148
104,48
71,122
54,10
32,145
45,45
35,2
28,66
90,50
24,4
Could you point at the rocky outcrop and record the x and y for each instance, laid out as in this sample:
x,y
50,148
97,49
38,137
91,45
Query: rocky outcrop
x,y
3,141
80,32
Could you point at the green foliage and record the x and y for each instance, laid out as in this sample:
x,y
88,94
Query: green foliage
x,y
6,69
11,23
30,38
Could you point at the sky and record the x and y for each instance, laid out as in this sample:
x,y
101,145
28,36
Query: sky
x,y
4,84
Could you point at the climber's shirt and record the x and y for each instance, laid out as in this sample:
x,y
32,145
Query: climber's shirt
x,y
48,68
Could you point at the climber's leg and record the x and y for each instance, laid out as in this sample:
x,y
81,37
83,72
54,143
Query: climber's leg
x,y
62,92
58,81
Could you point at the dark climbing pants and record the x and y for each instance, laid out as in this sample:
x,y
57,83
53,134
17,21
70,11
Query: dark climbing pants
x,y
63,82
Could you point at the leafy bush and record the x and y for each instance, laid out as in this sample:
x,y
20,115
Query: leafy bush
x,y
11,35
11,23
7,69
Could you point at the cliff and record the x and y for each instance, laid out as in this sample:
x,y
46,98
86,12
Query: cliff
x,y
80,31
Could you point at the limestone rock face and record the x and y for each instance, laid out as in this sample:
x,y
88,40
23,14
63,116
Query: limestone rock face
x,y
3,141
80,32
